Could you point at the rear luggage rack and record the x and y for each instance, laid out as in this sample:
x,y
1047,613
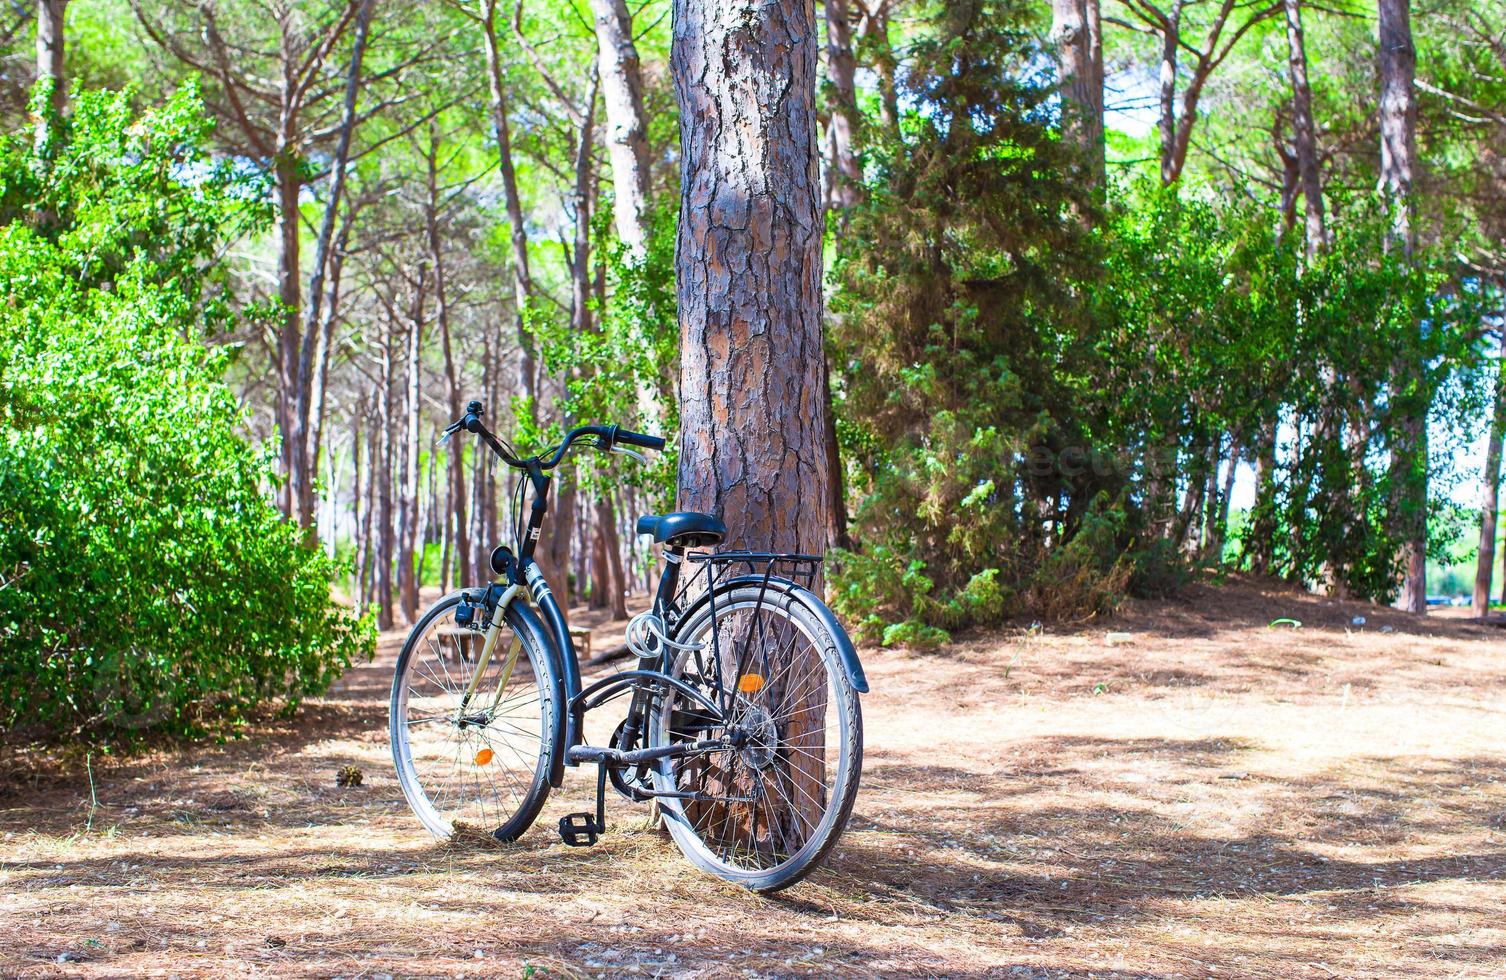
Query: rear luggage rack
x,y
803,570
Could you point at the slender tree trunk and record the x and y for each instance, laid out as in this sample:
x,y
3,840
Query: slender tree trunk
x,y
521,278
1261,540
1409,457
1491,509
357,487
327,336
50,42
1167,93
843,180
627,126
748,276
615,585
386,563
1079,52
313,358
295,490
837,535
873,28
1220,533
583,196
1305,136
458,490
409,489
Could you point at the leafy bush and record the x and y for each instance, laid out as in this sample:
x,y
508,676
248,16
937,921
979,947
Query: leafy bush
x,y
145,580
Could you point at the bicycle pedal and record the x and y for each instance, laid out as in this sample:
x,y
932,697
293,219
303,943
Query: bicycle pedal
x,y
579,829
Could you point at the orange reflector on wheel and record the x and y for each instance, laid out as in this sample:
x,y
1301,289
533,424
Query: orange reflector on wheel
x,y
483,757
750,683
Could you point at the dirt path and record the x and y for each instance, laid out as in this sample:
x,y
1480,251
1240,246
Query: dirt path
x,y
1203,797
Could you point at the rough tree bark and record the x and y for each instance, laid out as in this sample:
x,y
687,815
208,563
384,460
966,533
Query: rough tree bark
x,y
748,279
1075,30
1490,510
748,271
1398,150
1305,136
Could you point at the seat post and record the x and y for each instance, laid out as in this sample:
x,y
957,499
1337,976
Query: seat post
x,y
669,579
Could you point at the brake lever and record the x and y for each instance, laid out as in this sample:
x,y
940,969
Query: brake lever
x,y
444,436
629,452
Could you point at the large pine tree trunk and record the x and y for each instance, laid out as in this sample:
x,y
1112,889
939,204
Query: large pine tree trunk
x,y
748,278
748,272
1409,456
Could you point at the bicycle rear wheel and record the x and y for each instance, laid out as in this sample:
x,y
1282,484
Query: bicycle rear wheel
x,y
765,813
482,761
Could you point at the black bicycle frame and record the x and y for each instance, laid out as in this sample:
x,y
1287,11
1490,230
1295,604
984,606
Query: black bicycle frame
x,y
576,701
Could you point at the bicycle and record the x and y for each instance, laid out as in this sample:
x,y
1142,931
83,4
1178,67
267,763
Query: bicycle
x,y
743,720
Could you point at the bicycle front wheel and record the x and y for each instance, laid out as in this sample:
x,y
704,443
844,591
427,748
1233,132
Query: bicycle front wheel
x,y
473,751
765,813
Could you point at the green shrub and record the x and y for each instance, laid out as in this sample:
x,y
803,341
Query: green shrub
x,y
146,583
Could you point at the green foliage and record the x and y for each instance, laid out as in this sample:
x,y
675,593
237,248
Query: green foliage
x,y
1049,407
962,346
145,580
626,361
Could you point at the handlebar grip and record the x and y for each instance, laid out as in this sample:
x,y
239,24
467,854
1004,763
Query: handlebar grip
x,y
639,439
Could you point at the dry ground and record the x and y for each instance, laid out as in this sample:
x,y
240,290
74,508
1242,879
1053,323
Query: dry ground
x,y
1206,796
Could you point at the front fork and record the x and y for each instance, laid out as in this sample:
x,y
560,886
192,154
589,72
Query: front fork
x,y
488,649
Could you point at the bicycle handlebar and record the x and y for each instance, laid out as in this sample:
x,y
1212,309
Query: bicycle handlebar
x,y
608,436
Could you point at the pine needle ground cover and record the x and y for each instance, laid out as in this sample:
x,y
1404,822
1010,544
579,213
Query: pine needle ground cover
x,y
1197,794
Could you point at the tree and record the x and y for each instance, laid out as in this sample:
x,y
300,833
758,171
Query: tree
x,y
50,40
1076,29
278,88
749,272
1491,482
1179,113
1305,138
522,278
842,177
1398,163
627,128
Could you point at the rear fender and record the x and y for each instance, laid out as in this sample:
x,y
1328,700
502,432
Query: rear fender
x,y
795,592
